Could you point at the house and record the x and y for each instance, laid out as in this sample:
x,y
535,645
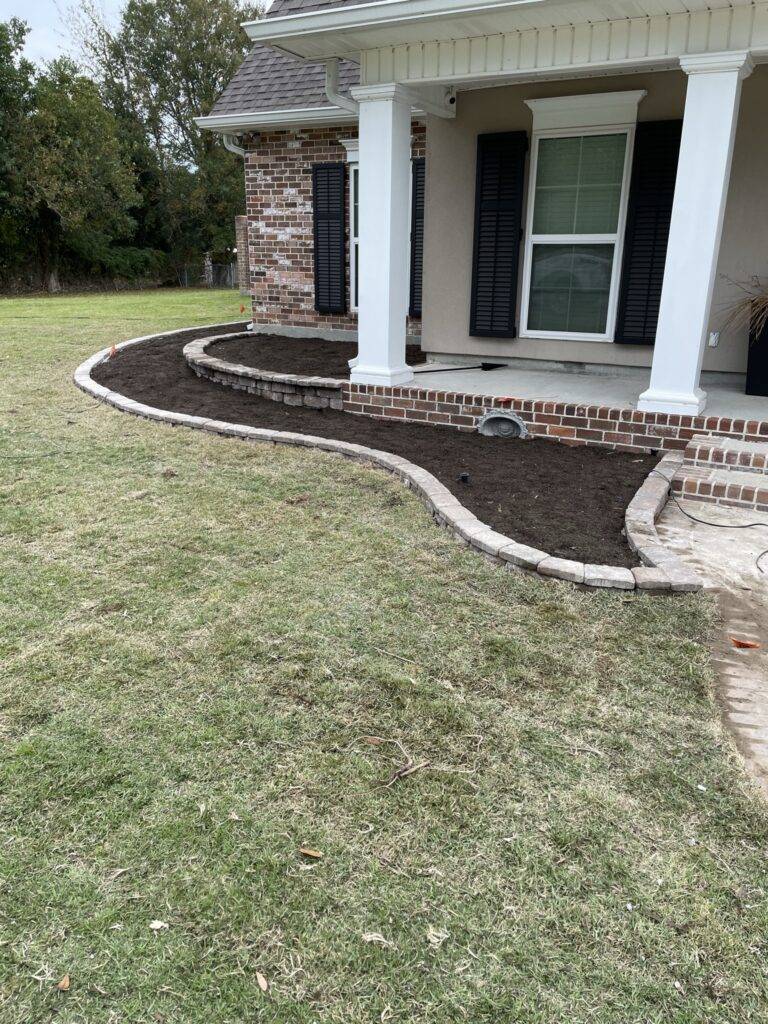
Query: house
x,y
574,190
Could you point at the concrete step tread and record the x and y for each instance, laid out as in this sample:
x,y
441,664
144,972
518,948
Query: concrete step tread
x,y
727,443
730,453
721,475
722,485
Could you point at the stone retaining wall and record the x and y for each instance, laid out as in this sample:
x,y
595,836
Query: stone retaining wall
x,y
290,388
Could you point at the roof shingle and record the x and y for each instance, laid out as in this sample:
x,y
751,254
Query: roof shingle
x,y
268,80
281,7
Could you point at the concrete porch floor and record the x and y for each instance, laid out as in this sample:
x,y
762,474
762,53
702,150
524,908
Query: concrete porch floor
x,y
619,391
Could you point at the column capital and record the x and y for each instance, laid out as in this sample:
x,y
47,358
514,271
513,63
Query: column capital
x,y
385,91
711,63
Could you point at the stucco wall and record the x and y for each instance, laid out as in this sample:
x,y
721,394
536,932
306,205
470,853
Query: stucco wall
x,y
450,186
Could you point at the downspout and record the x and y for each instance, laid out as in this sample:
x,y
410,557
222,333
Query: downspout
x,y
332,88
231,145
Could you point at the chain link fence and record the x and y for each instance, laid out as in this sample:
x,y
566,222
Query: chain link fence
x,y
206,274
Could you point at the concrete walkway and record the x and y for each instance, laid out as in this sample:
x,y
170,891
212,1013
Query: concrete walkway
x,y
726,559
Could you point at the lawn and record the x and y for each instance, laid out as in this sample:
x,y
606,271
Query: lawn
x,y
213,655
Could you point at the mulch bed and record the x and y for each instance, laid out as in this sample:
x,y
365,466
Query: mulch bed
x,y
569,501
310,357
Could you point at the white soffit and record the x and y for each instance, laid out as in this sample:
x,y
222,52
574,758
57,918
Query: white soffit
x,y
346,31
591,111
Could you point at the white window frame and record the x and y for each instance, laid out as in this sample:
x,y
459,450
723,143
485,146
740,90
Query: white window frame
x,y
354,234
353,160
352,146
566,117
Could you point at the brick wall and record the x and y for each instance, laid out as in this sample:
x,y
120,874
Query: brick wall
x,y
621,429
243,263
278,187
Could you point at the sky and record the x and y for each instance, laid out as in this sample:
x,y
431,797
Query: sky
x,y
47,20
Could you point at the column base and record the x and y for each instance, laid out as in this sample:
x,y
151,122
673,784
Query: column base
x,y
384,376
682,403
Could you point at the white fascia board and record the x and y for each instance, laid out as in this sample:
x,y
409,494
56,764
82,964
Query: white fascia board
x,y
286,32
266,120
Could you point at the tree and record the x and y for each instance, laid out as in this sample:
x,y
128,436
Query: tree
x,y
16,98
164,65
80,188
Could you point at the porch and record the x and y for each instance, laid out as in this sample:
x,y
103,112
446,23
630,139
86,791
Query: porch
x,y
593,85
594,408
617,388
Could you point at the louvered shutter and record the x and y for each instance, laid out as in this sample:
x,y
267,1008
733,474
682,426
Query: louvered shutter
x,y
651,192
498,222
417,235
328,221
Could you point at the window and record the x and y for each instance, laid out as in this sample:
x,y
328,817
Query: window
x,y
352,148
353,156
354,231
577,202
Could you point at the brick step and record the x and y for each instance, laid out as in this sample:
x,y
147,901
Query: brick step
x,y
728,453
722,485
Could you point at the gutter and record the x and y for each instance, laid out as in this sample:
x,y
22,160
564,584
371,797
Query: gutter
x,y
271,120
279,31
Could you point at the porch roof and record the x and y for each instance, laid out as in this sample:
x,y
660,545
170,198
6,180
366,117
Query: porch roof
x,y
347,29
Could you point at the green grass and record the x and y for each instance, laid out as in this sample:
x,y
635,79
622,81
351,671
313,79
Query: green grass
x,y
198,639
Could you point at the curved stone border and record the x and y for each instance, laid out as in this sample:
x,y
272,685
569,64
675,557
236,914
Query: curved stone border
x,y
662,569
290,388
445,508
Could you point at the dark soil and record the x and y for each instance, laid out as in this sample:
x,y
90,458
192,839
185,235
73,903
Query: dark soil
x,y
569,501
312,357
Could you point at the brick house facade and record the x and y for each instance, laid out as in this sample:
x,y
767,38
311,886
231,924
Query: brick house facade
x,y
278,187
522,274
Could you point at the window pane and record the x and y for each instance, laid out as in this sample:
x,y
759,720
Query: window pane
x,y
570,285
578,185
355,200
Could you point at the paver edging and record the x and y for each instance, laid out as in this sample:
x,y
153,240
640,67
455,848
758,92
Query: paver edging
x,y
445,508
661,569
289,388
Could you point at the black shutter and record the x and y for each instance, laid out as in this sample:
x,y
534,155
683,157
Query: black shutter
x,y
328,221
654,169
417,235
498,229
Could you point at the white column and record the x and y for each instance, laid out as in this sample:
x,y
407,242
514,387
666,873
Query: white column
x,y
385,154
703,173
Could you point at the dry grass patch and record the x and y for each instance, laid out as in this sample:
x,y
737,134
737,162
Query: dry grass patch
x,y
215,654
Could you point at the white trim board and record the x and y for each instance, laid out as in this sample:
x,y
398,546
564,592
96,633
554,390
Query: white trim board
x,y
269,120
314,35
592,111
578,46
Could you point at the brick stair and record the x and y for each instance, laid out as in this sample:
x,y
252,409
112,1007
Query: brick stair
x,y
724,471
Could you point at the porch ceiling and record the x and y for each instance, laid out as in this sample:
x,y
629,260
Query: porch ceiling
x,y
347,31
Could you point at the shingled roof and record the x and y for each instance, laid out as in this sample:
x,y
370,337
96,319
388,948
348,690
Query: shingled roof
x,y
267,80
